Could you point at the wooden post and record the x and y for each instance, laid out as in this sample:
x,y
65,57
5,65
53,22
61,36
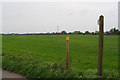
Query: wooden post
x,y
100,54
67,52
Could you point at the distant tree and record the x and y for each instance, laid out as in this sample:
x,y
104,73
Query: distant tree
x,y
112,30
63,32
107,33
70,33
87,32
93,33
97,32
77,32
53,33
117,32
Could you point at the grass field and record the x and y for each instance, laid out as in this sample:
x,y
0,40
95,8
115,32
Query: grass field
x,y
83,50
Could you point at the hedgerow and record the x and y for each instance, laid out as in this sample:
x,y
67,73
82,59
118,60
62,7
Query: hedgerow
x,y
33,67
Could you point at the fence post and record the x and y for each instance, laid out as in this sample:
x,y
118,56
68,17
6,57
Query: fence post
x,y
67,52
100,54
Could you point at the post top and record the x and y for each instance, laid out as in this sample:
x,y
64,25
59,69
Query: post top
x,y
67,38
101,16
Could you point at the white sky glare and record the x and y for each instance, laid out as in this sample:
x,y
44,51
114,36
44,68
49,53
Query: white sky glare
x,y
46,16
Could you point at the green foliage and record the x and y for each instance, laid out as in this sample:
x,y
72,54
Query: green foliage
x,y
70,33
96,32
105,74
34,67
63,32
90,73
87,32
77,32
114,31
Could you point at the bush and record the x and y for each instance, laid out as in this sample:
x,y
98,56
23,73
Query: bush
x,y
33,67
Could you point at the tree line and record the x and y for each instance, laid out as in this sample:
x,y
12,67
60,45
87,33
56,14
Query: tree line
x,y
112,31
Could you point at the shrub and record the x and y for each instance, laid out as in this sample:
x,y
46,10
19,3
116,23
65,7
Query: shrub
x,y
33,67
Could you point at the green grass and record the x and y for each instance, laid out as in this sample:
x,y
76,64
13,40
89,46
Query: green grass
x,y
83,50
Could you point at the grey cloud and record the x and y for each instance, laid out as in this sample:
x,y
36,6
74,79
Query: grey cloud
x,y
46,16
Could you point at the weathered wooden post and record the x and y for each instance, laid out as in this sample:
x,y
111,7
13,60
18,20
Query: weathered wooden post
x,y
119,40
67,52
100,54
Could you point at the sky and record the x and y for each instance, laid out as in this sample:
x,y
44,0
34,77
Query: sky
x,y
25,17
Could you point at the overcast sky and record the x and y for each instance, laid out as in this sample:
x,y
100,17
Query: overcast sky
x,y
46,16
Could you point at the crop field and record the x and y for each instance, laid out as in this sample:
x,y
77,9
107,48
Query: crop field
x,y
19,51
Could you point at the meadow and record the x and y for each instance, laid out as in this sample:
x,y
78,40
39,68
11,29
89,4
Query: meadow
x,y
83,53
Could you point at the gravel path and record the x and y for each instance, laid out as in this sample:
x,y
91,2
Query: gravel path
x,y
7,74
